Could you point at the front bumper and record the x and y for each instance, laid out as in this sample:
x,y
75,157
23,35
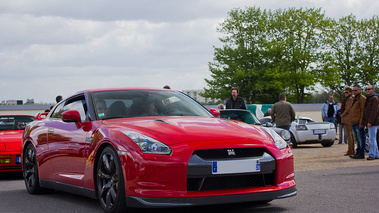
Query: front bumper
x,y
142,202
205,188
10,162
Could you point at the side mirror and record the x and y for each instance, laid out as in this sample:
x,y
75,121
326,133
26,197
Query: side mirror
x,y
215,112
41,116
71,116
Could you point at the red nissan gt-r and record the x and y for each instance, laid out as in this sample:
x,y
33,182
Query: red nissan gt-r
x,y
139,147
11,130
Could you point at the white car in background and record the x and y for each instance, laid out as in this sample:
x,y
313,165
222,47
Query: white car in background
x,y
307,131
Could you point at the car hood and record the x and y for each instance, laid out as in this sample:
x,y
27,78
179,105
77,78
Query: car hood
x,y
178,129
11,140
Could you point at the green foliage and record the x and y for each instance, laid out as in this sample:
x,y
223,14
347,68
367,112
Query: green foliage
x,y
265,53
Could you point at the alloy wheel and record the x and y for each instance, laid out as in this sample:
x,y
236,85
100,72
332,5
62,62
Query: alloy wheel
x,y
110,181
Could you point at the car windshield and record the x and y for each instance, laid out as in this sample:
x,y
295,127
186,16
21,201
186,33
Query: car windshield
x,y
14,122
240,115
140,103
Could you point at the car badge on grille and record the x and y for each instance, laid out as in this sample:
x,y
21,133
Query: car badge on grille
x,y
231,152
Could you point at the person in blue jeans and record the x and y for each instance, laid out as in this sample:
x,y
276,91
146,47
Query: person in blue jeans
x,y
371,121
357,120
329,111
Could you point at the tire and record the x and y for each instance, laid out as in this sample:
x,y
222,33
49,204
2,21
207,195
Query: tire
x,y
110,182
30,171
293,140
327,144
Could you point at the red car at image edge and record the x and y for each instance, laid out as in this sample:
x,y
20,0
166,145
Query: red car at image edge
x,y
137,147
11,130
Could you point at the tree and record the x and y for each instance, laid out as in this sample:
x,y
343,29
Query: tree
x,y
340,66
369,51
299,35
240,61
354,53
266,53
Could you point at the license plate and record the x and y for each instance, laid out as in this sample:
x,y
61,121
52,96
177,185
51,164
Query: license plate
x,y
18,159
236,166
319,131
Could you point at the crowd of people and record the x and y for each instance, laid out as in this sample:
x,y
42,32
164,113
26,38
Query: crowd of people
x,y
353,116
358,114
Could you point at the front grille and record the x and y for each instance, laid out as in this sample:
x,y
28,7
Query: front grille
x,y
200,177
213,154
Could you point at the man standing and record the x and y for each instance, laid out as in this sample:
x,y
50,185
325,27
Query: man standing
x,y
235,102
356,120
282,113
345,110
268,113
329,111
371,121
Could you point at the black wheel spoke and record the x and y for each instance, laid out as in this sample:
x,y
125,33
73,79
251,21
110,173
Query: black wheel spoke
x,y
113,192
102,175
109,200
108,163
105,189
31,181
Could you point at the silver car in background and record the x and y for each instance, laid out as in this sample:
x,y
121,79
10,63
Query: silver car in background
x,y
307,131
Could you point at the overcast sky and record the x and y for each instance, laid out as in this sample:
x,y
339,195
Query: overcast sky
x,y
59,47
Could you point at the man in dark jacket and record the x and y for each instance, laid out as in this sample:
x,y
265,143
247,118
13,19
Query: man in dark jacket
x,y
356,120
235,102
371,121
345,110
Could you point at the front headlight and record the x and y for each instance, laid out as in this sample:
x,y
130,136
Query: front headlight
x,y
286,135
147,144
278,140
